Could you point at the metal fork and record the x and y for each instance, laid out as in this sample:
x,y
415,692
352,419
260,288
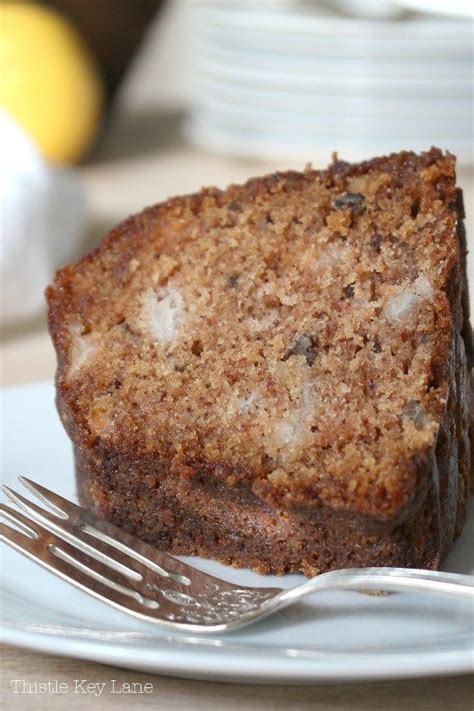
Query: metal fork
x,y
134,577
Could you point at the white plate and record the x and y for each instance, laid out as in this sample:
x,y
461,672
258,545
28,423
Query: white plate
x,y
230,138
401,47
342,70
431,85
255,119
286,99
335,637
315,20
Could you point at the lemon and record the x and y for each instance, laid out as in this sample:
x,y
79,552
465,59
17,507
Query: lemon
x,y
48,80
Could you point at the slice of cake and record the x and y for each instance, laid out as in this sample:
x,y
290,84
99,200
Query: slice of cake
x,y
277,375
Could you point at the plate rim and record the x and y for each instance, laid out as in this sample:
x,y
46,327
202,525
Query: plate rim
x,y
194,663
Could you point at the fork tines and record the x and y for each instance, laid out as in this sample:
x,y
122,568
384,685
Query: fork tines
x,y
109,563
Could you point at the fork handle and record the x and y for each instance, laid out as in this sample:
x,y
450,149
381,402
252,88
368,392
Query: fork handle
x,y
390,579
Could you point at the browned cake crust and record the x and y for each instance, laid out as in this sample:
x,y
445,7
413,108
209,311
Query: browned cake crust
x,y
278,375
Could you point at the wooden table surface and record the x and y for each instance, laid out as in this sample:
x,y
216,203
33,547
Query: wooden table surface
x,y
141,162
440,694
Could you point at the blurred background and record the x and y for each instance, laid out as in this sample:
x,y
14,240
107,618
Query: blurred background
x,y
110,105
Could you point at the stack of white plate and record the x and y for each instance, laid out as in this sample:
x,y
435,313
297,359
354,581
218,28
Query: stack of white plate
x,y
284,80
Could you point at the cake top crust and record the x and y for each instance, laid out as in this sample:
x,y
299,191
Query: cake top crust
x,y
291,332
